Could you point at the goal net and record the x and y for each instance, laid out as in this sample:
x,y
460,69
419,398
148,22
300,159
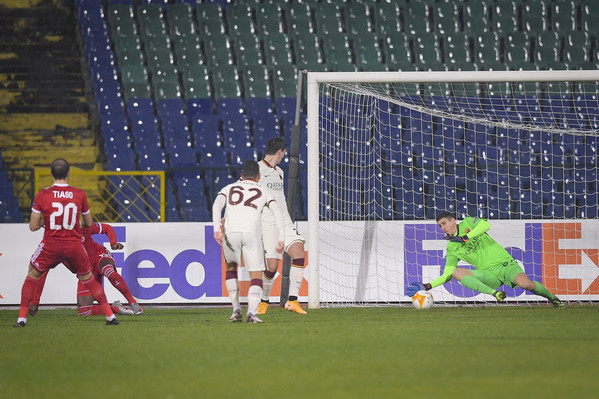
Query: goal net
x,y
389,151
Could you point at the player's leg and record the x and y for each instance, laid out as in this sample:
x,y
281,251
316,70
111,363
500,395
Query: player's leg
x,y
253,254
39,288
232,255
467,278
232,284
296,275
269,241
254,294
268,280
522,281
98,294
86,306
78,262
27,293
108,270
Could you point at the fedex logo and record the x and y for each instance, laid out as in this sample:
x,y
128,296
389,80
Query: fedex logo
x,y
192,273
151,265
559,255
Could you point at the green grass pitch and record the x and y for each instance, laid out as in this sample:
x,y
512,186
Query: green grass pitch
x,y
390,352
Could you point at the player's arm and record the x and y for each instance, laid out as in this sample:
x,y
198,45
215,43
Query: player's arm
x,y
87,220
480,226
278,214
35,221
451,264
217,209
109,231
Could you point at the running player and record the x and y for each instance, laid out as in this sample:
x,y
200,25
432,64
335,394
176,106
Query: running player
x,y
242,237
494,266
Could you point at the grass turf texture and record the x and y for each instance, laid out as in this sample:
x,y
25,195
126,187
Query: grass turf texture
x,y
455,352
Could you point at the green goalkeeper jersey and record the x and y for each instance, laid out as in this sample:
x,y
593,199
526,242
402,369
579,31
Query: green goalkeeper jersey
x,y
481,251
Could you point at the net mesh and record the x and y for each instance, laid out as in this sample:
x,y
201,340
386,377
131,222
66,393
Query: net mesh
x,y
392,156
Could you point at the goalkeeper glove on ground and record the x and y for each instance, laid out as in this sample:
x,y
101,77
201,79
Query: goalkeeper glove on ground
x,y
460,239
414,288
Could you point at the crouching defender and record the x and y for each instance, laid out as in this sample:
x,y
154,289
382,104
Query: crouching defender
x,y
102,265
494,266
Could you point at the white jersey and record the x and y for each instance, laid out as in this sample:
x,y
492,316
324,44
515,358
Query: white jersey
x,y
272,178
244,200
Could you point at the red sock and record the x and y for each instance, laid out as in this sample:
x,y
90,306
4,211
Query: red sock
x,y
118,282
27,293
94,310
98,293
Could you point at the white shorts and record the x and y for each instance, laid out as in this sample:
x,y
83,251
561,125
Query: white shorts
x,y
270,236
247,245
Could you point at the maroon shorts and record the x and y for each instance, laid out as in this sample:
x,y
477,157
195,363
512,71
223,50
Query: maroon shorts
x,y
49,254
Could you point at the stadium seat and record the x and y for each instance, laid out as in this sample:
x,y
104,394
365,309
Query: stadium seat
x,y
446,17
268,17
277,50
256,81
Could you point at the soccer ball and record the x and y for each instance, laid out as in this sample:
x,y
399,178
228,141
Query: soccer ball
x,y
422,300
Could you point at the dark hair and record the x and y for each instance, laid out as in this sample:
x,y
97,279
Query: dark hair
x,y
445,215
60,168
274,145
250,170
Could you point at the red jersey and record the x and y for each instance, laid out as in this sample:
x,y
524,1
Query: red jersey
x,y
93,248
61,207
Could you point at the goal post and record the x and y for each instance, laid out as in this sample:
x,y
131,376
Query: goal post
x,y
388,151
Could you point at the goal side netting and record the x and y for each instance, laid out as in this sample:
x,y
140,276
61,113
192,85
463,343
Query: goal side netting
x,y
389,151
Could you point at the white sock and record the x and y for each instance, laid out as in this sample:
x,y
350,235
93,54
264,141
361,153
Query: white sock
x,y
22,319
296,276
254,298
232,285
267,286
109,318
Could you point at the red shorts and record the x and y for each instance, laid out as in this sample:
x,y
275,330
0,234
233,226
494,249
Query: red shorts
x,y
94,263
49,254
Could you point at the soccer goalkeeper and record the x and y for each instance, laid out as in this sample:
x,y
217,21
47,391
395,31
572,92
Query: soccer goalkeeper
x,y
494,266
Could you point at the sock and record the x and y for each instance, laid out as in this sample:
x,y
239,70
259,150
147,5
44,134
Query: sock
x,y
118,282
542,291
98,293
85,310
39,288
232,284
476,285
254,295
268,279
27,293
296,276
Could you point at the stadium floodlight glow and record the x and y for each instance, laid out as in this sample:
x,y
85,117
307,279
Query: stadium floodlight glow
x,y
388,150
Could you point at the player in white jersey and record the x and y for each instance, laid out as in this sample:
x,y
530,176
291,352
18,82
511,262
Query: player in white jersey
x,y
273,179
244,202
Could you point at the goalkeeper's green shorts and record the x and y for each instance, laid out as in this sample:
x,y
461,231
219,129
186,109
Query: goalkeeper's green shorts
x,y
499,275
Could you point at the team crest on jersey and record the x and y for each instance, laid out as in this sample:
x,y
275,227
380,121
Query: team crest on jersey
x,y
467,230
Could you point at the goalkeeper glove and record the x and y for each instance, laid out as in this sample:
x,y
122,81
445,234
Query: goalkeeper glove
x,y
460,239
415,287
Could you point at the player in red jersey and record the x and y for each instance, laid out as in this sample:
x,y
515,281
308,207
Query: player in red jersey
x,y
59,208
102,265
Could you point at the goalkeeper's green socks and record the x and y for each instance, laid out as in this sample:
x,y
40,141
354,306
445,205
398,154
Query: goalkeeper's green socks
x,y
542,291
476,285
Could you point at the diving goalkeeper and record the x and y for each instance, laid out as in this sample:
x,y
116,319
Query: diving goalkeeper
x,y
494,266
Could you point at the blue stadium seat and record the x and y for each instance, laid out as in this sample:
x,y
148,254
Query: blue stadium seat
x,y
199,106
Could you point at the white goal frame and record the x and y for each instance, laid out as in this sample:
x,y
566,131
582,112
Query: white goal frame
x,y
316,78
